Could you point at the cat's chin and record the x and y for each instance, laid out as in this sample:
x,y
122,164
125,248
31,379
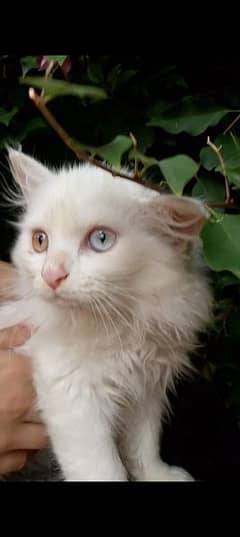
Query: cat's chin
x,y
62,301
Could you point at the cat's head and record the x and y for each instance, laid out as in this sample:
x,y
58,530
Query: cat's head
x,y
89,238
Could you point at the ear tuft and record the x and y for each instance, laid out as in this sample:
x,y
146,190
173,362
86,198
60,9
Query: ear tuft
x,y
27,171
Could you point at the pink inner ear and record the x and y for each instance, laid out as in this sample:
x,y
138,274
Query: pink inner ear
x,y
182,216
189,224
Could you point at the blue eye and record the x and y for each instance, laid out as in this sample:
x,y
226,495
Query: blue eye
x,y
101,240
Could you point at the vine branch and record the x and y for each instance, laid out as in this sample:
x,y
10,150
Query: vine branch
x,y
85,156
232,124
134,142
217,150
71,144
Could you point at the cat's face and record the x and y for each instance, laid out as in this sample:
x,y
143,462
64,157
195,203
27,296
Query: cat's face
x,y
87,237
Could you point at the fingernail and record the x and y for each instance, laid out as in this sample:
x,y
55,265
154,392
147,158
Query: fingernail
x,y
26,331
22,333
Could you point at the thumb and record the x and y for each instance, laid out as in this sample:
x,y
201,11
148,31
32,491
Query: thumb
x,y
14,336
7,280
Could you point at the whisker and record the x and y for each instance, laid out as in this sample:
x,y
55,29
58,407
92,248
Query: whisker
x,y
93,310
113,325
101,316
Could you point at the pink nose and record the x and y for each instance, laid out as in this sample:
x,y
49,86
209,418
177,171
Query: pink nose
x,y
54,276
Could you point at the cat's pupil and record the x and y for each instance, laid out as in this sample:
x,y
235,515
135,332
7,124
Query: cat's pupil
x,y
40,239
102,236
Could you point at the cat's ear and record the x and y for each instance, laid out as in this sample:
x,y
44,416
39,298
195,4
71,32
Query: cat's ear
x,y
27,171
179,218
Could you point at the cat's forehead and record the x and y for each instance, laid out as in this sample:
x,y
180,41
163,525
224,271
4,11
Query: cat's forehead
x,y
85,195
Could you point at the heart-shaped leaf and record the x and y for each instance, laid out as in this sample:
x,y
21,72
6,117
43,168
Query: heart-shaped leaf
x,y
5,117
209,188
114,151
178,170
221,244
230,151
28,63
59,59
189,115
59,88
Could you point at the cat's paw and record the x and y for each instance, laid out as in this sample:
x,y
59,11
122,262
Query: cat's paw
x,y
164,472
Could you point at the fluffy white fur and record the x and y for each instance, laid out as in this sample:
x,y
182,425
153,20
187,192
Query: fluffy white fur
x,y
108,342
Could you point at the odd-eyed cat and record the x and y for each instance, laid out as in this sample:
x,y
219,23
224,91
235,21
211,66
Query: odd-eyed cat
x,y
109,284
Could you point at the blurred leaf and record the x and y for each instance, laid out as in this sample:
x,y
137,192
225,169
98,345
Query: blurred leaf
x,y
59,59
189,115
178,171
32,126
226,279
221,244
113,76
95,73
125,76
28,63
5,117
159,108
58,88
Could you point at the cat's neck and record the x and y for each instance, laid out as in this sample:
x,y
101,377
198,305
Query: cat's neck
x,y
74,320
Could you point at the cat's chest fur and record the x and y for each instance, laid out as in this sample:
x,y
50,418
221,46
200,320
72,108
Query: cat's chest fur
x,y
77,360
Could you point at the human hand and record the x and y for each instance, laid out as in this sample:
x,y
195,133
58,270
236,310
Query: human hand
x,y
21,432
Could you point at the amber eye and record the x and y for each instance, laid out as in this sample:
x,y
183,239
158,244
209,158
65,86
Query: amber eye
x,y
40,241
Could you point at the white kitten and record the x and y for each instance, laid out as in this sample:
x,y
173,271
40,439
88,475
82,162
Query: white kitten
x,y
107,280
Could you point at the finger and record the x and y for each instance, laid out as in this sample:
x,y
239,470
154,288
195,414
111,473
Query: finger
x,y
14,336
15,362
7,280
32,416
12,461
30,436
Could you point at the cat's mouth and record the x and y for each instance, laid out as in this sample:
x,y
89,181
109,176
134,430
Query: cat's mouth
x,y
62,300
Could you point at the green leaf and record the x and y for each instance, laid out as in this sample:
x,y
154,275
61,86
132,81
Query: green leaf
x,y
146,161
59,88
209,188
95,73
28,63
59,59
189,115
230,151
5,117
227,279
234,177
208,158
178,171
125,76
33,125
112,77
114,151
221,244
145,137
159,108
